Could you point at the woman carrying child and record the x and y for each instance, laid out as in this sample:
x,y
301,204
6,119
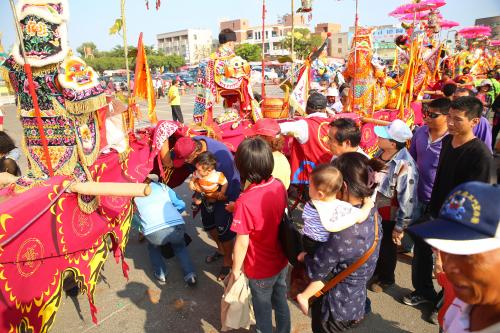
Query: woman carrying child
x,y
343,306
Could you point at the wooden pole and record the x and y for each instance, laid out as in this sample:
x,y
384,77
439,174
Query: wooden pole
x,y
292,78
263,86
353,92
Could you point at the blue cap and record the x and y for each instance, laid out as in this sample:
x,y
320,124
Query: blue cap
x,y
468,222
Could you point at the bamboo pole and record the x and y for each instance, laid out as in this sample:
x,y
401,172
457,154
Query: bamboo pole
x,y
263,84
378,122
114,189
93,188
292,78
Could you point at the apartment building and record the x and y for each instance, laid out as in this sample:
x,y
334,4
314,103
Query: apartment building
x,y
192,44
273,33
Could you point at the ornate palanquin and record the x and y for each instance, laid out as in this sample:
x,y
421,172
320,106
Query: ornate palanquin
x,y
224,76
47,232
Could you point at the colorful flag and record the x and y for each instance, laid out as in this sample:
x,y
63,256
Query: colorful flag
x,y
143,85
298,98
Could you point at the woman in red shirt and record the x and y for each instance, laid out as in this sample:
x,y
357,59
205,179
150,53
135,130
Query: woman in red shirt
x,y
257,216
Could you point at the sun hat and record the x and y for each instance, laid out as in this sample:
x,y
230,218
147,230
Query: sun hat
x,y
397,130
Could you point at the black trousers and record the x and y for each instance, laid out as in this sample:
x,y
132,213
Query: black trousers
x,y
330,325
177,113
422,266
388,256
494,133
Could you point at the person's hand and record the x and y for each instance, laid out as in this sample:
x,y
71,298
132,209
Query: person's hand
x,y
397,236
220,196
230,206
301,256
236,274
192,186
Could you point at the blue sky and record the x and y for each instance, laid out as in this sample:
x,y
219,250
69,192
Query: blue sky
x,y
91,19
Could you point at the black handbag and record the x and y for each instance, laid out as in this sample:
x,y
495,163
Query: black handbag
x,y
290,238
168,252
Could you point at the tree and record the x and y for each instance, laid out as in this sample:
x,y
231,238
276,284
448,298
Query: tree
x,y
249,52
304,43
87,45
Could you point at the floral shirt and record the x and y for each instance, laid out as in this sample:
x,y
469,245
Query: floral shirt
x,y
399,189
345,301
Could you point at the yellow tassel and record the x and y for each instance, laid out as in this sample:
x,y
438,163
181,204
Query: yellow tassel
x,y
85,106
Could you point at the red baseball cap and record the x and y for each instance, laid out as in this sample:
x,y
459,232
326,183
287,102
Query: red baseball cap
x,y
264,126
184,147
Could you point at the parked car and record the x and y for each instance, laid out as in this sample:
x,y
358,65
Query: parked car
x,y
269,74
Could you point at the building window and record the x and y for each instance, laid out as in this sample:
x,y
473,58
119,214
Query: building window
x,y
274,33
339,50
195,37
267,34
340,40
249,34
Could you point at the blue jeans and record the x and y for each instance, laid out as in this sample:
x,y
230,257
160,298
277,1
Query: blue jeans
x,y
269,294
175,236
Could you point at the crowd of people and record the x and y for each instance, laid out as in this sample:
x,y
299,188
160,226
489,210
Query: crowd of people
x,y
353,204
433,183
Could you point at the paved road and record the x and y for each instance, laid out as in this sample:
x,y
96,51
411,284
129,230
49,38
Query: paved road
x,y
140,305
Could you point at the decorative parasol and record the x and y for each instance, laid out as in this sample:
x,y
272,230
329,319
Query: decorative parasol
x,y
475,32
419,16
495,42
422,6
447,24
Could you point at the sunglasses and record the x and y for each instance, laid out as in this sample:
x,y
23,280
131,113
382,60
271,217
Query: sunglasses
x,y
433,115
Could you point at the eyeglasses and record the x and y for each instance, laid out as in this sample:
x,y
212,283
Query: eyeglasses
x,y
433,115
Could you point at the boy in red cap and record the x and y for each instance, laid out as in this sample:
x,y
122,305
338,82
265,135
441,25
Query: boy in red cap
x,y
217,222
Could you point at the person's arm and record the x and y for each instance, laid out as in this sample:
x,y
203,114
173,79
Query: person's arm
x,y
224,185
311,290
344,217
178,203
406,194
413,147
298,129
137,222
242,226
239,253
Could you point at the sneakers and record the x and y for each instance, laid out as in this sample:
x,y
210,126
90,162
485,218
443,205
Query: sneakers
x,y
413,299
433,317
378,286
191,279
160,278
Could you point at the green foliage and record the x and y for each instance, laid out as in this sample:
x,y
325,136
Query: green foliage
x,y
249,52
304,42
115,58
104,63
81,49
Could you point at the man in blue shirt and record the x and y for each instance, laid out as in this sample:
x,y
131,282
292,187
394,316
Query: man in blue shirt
x,y
217,222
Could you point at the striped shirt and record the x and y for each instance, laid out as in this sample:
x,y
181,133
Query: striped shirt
x,y
210,183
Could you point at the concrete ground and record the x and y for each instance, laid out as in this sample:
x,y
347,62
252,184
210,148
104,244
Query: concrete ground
x,y
141,305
